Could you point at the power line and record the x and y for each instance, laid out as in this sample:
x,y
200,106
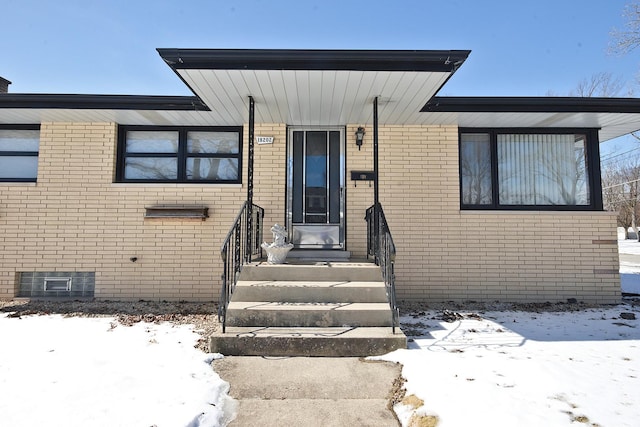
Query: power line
x,y
616,203
609,158
619,184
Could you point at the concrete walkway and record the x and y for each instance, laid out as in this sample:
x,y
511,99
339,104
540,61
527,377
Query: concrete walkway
x,y
305,391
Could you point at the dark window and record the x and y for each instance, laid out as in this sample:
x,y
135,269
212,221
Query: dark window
x,y
19,146
529,169
180,154
475,169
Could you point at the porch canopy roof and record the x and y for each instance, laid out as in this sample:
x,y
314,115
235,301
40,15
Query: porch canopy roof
x,y
314,87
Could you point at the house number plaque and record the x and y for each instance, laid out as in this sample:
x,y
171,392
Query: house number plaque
x,y
264,139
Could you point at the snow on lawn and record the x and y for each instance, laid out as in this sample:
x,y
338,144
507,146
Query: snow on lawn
x,y
57,371
521,369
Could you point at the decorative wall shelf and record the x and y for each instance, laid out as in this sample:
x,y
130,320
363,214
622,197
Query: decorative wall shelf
x,y
177,211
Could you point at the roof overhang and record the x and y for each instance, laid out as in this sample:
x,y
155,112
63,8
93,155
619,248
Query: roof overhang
x,y
103,102
323,87
20,108
314,87
613,116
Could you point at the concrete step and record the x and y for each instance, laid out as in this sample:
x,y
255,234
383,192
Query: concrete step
x,y
268,314
309,291
308,341
313,271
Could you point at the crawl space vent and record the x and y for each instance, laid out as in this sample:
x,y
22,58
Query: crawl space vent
x,y
57,283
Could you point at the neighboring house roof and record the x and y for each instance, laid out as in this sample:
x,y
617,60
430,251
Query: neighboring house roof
x,y
323,87
4,85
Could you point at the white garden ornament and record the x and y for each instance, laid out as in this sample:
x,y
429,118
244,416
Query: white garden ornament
x,y
278,250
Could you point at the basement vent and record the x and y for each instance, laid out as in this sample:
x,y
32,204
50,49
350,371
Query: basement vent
x,y
57,283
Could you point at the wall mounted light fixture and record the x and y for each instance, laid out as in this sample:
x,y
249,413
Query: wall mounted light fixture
x,y
359,137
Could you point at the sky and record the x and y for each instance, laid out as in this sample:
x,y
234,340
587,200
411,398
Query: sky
x,y
108,47
518,48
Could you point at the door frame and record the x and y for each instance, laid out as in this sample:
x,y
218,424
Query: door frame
x,y
295,229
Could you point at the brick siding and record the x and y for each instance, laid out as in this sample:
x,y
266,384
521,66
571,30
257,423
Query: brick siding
x,y
75,219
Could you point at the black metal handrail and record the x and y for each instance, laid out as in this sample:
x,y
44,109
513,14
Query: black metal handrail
x,y
381,247
239,247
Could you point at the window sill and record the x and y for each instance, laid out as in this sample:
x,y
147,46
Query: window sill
x,y
170,185
17,184
532,212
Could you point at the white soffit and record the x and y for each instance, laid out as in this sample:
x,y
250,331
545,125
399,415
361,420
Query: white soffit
x,y
123,117
315,97
611,125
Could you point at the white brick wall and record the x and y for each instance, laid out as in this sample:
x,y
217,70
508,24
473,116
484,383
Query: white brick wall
x,y
448,254
76,219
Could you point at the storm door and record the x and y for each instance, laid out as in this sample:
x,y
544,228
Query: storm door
x,y
315,183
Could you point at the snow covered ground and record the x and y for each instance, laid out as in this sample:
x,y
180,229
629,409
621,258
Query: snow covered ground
x,y
491,368
516,368
497,368
509,368
57,371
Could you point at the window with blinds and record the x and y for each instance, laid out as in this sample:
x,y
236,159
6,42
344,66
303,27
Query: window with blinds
x,y
511,170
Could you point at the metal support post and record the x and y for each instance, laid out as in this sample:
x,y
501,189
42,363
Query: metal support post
x,y
249,245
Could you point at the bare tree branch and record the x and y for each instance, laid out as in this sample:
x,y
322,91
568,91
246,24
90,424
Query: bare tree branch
x,y
627,39
600,84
